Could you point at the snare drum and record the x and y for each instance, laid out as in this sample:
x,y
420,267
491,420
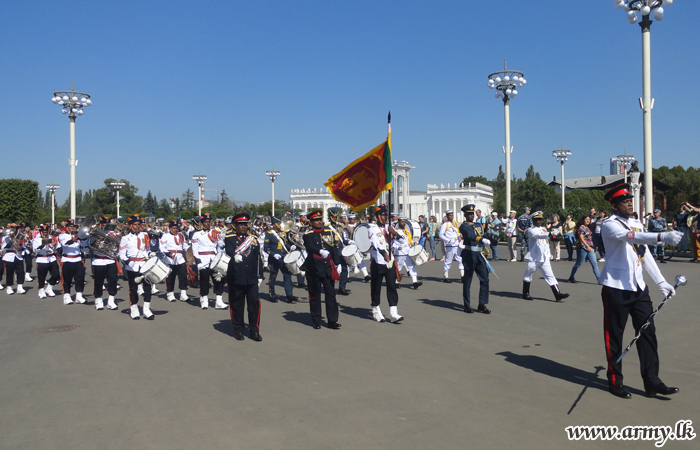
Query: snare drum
x,y
351,255
361,237
418,255
294,260
155,271
220,264
414,226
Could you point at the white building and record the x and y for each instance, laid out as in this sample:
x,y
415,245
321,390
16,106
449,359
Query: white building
x,y
433,201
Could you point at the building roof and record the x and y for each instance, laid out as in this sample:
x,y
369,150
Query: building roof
x,y
597,182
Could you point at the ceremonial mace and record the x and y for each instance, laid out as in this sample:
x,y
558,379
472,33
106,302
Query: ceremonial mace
x,y
680,281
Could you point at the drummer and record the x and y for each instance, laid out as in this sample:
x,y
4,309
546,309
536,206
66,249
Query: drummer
x,y
277,247
362,267
401,250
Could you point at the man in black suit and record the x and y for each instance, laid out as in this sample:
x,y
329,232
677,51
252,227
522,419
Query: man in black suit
x,y
243,274
323,259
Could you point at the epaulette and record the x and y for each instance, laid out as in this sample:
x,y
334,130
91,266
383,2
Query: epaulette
x,y
310,231
230,233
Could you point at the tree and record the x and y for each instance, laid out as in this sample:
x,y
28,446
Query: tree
x,y
187,201
476,179
149,203
19,200
164,209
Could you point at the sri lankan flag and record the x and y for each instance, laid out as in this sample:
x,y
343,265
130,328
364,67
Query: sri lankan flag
x,y
361,183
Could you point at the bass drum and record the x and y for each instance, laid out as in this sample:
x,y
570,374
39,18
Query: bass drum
x,y
294,261
361,235
414,226
220,263
155,271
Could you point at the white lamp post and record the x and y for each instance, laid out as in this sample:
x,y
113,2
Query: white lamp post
x,y
72,103
273,174
117,185
625,160
645,8
506,83
200,183
562,155
53,188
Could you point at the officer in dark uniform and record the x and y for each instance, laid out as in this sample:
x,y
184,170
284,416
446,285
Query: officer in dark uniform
x,y
277,246
322,246
342,238
243,275
474,261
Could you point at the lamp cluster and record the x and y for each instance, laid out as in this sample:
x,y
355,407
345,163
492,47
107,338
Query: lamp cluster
x,y
643,7
72,102
506,83
561,155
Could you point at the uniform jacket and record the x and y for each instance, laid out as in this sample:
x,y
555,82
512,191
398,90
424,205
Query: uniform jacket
x,y
247,271
11,253
71,249
402,246
205,245
472,234
276,244
45,252
99,259
538,245
449,234
134,251
623,268
173,246
314,241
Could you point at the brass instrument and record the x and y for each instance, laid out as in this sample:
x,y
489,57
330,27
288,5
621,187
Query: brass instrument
x,y
101,242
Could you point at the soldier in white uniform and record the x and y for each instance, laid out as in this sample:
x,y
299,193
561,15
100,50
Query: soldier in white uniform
x,y
145,234
45,247
134,251
206,243
449,234
12,260
401,249
105,267
361,267
73,266
382,266
28,250
625,292
537,257
174,246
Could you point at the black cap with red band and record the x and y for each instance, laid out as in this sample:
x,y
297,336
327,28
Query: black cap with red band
x,y
241,218
619,193
316,214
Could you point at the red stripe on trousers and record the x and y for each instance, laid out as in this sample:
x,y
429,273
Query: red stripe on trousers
x,y
606,327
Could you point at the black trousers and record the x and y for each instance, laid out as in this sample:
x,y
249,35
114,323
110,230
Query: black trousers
x,y
134,286
377,272
179,270
344,273
277,265
315,283
473,262
108,272
73,271
238,295
617,305
27,262
43,269
13,268
204,276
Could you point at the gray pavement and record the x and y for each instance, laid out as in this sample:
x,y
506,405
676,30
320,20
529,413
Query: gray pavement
x,y
439,379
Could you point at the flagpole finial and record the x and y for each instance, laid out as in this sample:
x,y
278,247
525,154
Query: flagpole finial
x,y
389,119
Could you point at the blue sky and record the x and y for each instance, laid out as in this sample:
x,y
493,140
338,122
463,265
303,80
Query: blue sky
x,y
233,89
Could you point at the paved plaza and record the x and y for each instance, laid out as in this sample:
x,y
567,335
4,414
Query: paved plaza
x,y
441,379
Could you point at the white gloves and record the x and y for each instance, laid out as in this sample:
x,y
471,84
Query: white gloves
x,y
238,258
486,242
260,280
278,256
667,289
217,276
324,253
339,268
350,242
292,248
671,237
138,280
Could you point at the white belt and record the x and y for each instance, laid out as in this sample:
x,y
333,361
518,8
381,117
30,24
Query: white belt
x,y
473,248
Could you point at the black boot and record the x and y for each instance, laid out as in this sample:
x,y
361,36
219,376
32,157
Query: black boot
x,y
558,295
526,290
273,297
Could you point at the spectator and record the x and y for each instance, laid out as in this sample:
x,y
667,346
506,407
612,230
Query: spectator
x,y
511,235
694,230
569,239
493,234
657,224
584,250
423,229
680,223
432,230
556,233
524,223
597,238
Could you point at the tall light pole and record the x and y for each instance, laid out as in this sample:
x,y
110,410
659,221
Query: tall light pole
x,y
117,185
273,174
72,104
645,8
506,83
562,155
625,160
53,188
200,184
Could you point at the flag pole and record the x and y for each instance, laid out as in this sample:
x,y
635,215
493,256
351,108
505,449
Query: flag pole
x,y
388,130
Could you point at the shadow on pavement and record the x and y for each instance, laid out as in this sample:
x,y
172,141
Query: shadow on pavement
x,y
298,317
362,313
224,326
442,304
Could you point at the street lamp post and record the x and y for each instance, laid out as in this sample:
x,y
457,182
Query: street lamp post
x,y
117,185
72,103
273,174
625,160
506,83
53,188
200,183
646,103
562,155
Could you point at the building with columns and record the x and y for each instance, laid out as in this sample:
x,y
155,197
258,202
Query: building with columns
x,y
433,201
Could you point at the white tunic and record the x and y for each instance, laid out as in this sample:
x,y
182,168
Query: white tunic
x,y
173,246
449,234
71,248
45,252
134,251
205,245
538,245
